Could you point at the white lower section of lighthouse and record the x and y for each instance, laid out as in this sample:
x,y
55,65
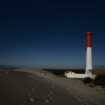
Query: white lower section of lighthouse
x,y
88,73
88,60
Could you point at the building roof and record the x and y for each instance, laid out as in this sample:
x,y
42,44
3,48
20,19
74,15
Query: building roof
x,y
98,72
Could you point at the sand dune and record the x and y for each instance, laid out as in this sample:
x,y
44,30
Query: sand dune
x,y
36,87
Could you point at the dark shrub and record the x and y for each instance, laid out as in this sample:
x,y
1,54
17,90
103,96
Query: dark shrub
x,y
87,80
99,80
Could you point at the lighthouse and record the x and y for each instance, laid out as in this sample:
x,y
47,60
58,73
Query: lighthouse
x,y
88,52
88,69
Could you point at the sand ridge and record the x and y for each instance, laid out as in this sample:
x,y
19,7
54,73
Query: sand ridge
x,y
29,87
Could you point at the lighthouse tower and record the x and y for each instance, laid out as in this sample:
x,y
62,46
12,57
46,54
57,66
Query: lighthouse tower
x,y
88,52
88,60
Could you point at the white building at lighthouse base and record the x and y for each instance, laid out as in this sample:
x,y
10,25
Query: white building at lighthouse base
x,y
71,74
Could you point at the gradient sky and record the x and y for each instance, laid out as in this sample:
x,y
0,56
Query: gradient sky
x,y
48,33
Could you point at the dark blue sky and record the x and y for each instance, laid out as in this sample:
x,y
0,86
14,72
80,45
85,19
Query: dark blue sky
x,y
48,33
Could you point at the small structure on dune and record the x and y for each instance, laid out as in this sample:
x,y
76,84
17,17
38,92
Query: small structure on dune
x,y
98,72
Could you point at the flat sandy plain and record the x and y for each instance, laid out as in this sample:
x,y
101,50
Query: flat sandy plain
x,y
36,87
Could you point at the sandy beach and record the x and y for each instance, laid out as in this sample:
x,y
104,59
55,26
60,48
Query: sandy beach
x,y
37,87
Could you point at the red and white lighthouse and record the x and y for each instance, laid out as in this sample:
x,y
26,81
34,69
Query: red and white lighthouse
x,y
88,60
88,52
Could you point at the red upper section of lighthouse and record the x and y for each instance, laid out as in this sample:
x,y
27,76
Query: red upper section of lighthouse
x,y
88,39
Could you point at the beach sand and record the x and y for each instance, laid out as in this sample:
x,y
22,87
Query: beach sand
x,y
36,87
